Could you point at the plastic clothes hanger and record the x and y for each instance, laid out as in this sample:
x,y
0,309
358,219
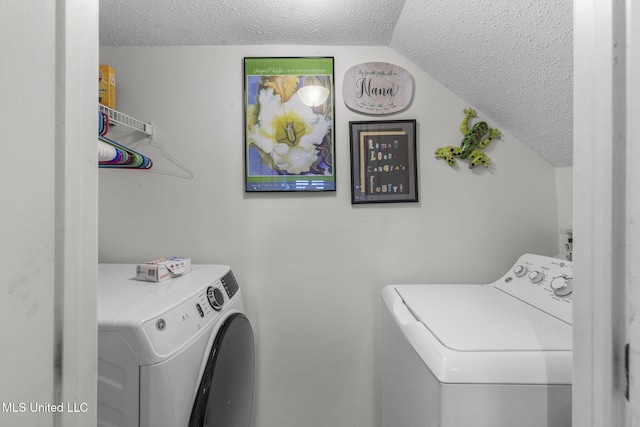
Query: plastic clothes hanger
x,y
128,158
114,155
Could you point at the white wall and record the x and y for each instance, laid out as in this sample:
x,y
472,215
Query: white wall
x,y
27,39
312,265
564,186
49,212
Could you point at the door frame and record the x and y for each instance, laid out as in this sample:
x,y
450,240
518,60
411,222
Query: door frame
x,y
603,181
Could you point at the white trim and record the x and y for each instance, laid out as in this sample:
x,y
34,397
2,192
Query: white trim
x,y
599,143
633,203
76,218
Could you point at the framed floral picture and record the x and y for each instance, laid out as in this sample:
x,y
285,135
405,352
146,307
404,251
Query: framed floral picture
x,y
383,161
289,124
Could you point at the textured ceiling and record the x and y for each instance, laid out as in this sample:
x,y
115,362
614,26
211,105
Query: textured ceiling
x,y
510,60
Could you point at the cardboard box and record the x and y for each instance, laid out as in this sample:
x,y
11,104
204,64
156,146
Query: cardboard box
x,y
107,86
163,269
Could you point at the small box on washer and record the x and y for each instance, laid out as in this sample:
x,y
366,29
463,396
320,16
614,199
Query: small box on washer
x,y
163,269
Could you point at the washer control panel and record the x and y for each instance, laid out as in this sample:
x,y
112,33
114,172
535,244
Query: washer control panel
x,y
543,282
173,328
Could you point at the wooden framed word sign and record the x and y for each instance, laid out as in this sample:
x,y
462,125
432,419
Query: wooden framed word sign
x,y
377,88
383,161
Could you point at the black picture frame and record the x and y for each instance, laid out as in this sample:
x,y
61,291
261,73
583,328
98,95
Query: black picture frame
x,y
384,166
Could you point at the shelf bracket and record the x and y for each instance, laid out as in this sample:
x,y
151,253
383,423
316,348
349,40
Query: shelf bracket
x,y
122,119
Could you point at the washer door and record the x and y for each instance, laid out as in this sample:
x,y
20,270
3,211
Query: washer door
x,y
225,396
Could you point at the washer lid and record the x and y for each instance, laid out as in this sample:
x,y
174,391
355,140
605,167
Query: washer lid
x,y
478,318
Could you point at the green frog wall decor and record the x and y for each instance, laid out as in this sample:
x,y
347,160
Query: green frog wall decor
x,y
473,142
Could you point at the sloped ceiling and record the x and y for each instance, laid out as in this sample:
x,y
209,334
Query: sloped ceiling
x,y
513,61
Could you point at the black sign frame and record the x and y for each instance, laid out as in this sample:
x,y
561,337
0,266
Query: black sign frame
x,y
384,166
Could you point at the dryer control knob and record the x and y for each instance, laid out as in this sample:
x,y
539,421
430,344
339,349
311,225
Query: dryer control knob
x,y
562,286
536,276
215,298
520,270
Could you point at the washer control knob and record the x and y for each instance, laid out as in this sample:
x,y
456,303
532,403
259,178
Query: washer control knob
x,y
562,286
215,298
520,270
536,276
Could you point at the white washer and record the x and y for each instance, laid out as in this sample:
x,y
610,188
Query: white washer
x,y
497,355
178,353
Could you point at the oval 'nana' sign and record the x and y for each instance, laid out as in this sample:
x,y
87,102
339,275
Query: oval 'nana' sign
x,y
377,88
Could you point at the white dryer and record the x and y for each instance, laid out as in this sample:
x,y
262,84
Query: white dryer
x,y
178,353
497,355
